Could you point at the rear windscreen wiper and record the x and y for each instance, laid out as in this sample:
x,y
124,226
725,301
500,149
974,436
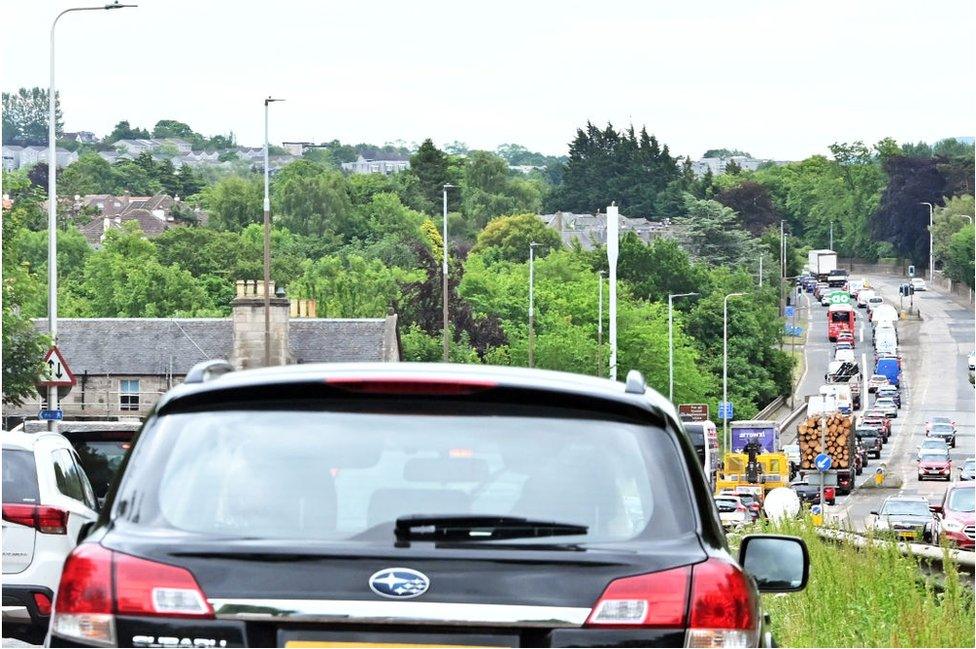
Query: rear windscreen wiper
x,y
468,527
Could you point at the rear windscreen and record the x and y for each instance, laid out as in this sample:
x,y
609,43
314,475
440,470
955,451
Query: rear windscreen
x,y
19,477
323,475
101,461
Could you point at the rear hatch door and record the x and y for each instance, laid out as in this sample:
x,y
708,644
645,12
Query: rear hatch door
x,y
20,494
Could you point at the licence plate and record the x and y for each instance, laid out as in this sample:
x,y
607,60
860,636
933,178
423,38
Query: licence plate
x,y
351,639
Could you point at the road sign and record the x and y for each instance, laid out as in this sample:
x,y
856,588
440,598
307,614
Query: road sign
x,y
51,415
56,371
840,297
725,410
693,411
911,271
789,312
816,510
823,462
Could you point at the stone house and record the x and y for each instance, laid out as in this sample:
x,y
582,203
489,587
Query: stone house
x,y
590,230
123,365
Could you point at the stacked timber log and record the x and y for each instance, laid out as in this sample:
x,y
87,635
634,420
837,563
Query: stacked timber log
x,y
837,440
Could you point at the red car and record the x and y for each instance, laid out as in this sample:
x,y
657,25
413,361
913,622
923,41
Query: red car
x,y
955,520
933,464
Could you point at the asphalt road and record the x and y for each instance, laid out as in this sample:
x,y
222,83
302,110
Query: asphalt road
x,y
935,383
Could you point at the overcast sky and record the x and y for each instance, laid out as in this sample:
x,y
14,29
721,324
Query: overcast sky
x,y
778,78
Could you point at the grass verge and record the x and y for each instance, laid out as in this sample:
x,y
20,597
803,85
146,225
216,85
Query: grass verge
x,y
869,597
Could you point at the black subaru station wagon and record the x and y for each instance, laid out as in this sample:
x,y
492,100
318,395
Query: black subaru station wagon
x,y
413,505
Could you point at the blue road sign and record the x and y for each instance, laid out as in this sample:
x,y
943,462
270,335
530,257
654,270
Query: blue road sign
x,y
815,510
823,462
789,312
50,415
725,410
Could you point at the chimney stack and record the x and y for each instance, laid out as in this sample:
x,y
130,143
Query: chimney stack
x,y
248,320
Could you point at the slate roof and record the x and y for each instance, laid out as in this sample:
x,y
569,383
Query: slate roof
x,y
158,346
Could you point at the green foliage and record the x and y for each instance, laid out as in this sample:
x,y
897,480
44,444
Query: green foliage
x,y
949,219
725,153
713,234
351,287
23,346
868,597
606,166
960,256
654,270
123,131
508,238
431,167
313,201
25,116
233,202
126,279
90,174
488,190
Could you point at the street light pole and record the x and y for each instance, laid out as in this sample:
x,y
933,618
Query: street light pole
x,y
671,297
931,261
446,330
532,247
831,246
599,326
53,402
267,242
725,368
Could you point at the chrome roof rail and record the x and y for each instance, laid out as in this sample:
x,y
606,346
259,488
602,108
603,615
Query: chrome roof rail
x,y
207,371
635,383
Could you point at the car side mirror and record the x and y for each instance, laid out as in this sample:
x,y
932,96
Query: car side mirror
x,y
874,512
779,564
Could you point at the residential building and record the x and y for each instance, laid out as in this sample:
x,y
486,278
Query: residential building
x,y
385,167
297,149
85,137
141,145
718,165
153,213
590,230
123,365
25,157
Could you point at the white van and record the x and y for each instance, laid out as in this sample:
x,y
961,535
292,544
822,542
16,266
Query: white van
x,y
864,296
885,341
845,356
841,393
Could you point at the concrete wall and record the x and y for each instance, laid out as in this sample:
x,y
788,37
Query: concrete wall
x,y
99,396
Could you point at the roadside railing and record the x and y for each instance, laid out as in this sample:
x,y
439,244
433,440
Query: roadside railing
x,y
931,553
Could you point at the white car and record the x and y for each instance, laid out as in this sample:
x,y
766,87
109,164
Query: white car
x,y
46,500
972,361
932,444
863,296
874,301
876,381
918,283
731,511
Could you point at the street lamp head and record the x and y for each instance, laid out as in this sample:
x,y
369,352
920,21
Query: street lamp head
x,y
116,5
449,186
533,244
270,100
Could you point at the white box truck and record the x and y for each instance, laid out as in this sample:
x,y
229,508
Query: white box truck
x,y
821,262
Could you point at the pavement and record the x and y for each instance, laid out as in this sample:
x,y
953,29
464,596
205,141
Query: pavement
x,y
936,382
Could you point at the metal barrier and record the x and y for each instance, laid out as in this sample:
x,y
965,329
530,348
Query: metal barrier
x,y
931,553
773,406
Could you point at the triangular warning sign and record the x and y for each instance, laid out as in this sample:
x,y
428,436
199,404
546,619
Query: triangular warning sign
x,y
56,371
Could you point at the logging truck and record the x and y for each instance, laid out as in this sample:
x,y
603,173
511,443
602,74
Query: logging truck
x,y
836,439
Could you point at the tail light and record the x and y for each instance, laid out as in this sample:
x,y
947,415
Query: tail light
x,y
46,520
98,583
829,493
714,599
43,603
409,385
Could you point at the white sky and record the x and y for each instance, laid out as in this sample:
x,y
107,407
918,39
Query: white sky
x,y
777,78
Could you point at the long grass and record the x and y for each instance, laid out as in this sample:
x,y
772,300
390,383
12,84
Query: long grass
x,y
869,597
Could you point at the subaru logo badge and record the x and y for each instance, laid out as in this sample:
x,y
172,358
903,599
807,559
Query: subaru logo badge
x,y
399,583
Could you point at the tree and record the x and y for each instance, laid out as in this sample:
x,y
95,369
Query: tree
x,y
656,269
90,174
313,201
947,220
430,165
123,131
754,205
25,117
171,128
233,202
901,218
189,182
714,235
606,166
508,238
960,256
725,153
23,346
